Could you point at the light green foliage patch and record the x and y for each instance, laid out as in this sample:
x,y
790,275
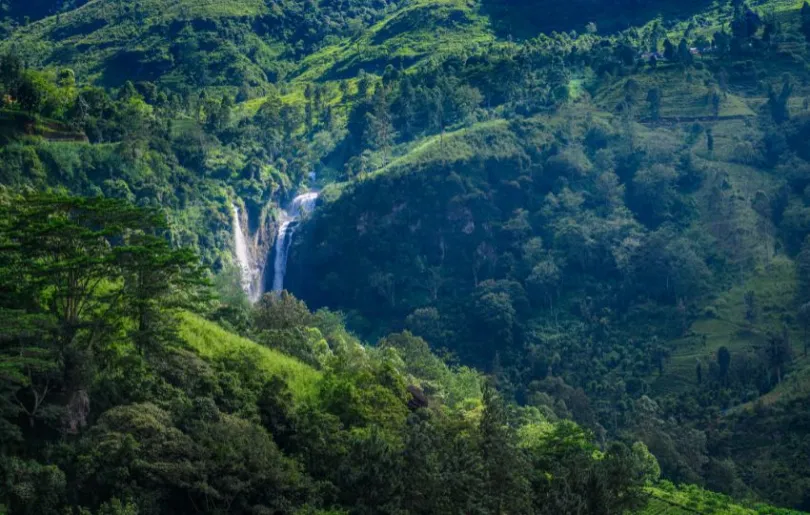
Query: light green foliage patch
x,y
213,342
667,499
491,137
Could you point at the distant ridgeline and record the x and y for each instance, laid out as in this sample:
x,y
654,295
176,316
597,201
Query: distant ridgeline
x,y
16,13
601,205
526,18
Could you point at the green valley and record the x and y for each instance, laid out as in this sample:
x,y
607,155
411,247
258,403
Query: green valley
x,y
404,256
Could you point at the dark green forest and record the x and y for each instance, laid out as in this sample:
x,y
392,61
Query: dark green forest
x,y
404,257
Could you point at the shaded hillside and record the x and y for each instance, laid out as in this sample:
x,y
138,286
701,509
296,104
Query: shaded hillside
x,y
527,18
580,246
156,410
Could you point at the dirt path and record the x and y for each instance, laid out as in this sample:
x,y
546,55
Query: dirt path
x,y
676,120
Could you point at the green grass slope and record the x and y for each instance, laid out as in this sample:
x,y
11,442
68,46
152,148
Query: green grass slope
x,y
685,95
421,29
693,500
215,343
724,325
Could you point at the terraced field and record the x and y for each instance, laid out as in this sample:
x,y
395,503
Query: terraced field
x,y
724,324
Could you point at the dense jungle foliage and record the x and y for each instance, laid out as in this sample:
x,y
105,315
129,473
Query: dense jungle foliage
x,y
118,400
560,261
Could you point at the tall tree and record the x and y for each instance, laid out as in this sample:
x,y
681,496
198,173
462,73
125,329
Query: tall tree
x,y
670,52
779,353
804,321
72,272
803,271
778,102
379,132
654,101
505,465
723,362
157,279
684,53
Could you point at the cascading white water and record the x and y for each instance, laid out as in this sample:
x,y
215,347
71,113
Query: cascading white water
x,y
301,205
282,248
251,280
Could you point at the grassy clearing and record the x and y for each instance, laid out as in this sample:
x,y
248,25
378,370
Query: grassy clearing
x,y
456,146
728,198
490,139
729,136
423,29
796,385
686,93
724,324
212,342
13,123
751,237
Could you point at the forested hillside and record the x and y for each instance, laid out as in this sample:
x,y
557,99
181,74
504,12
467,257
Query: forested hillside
x,y
559,260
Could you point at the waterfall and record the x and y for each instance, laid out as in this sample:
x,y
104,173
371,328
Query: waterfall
x,y
251,278
301,205
282,248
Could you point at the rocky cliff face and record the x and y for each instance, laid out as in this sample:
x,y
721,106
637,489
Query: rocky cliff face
x,y
259,230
